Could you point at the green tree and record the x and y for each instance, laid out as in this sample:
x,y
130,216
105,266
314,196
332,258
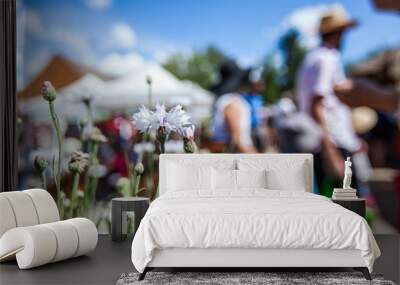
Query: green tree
x,y
293,54
200,67
282,78
272,90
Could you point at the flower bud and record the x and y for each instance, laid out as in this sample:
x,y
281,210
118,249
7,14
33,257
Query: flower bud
x,y
123,186
94,134
87,100
48,92
187,132
149,80
40,163
78,162
139,168
189,146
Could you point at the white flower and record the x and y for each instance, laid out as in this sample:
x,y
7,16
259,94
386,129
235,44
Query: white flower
x,y
177,118
143,119
172,121
187,131
159,116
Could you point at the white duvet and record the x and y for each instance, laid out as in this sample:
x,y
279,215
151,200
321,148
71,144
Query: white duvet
x,y
253,218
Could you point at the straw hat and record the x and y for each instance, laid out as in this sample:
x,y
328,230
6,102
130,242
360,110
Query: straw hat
x,y
335,20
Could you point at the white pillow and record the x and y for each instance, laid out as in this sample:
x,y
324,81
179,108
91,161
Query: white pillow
x,y
223,179
251,178
296,181
183,177
282,174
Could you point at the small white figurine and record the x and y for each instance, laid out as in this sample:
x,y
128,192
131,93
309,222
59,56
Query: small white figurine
x,y
347,174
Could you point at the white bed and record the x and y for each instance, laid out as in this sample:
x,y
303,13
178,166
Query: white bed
x,y
281,224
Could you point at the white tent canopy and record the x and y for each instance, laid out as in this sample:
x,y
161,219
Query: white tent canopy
x,y
68,102
131,90
125,93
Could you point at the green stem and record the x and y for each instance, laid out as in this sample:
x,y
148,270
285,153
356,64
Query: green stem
x,y
132,182
108,223
90,160
56,125
74,193
150,173
131,176
162,147
90,113
78,211
43,180
93,186
162,150
150,96
136,186
93,149
157,191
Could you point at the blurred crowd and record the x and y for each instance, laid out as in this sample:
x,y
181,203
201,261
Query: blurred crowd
x,y
318,118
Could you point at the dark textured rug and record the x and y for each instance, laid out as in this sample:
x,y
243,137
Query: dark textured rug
x,y
231,278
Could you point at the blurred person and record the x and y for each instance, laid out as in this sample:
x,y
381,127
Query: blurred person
x,y
256,102
359,92
295,131
320,71
227,74
381,140
231,126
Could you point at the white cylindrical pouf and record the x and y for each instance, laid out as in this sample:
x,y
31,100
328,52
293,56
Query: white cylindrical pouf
x,y
34,246
7,218
24,210
40,244
45,206
87,234
67,239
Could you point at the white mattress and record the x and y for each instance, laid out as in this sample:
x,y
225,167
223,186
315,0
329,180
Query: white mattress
x,y
252,219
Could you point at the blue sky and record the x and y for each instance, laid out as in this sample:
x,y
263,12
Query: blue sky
x,y
103,32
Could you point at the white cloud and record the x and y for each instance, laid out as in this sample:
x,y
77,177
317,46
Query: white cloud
x,y
160,50
60,35
118,64
74,41
123,36
69,40
98,4
247,61
33,23
306,21
37,62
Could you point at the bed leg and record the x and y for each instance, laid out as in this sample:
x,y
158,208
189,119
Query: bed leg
x,y
143,274
364,271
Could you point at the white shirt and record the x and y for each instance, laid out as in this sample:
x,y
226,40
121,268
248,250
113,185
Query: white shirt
x,y
219,126
321,70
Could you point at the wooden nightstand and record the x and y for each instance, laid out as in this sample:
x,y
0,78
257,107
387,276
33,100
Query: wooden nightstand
x,y
356,205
